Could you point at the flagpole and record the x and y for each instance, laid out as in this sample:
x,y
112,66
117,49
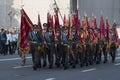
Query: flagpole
x,y
58,9
22,5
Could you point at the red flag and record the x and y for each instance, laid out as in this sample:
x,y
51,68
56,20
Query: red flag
x,y
76,17
73,20
54,34
85,22
102,27
94,24
108,36
69,29
82,24
64,20
39,23
48,21
51,21
25,28
78,27
88,24
85,25
48,18
56,19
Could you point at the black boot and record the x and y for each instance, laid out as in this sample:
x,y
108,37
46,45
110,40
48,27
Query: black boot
x,y
34,68
65,67
73,66
50,66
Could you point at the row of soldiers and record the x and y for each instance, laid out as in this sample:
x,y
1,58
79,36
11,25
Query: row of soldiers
x,y
66,47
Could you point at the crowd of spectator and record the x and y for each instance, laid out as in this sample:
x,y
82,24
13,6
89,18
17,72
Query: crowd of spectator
x,y
8,41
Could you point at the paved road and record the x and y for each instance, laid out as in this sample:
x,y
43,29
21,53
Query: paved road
x,y
10,69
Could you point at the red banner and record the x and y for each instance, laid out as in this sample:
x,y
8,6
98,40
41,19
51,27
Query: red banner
x,y
39,23
25,28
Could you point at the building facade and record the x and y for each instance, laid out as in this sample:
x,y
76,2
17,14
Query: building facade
x,y
107,8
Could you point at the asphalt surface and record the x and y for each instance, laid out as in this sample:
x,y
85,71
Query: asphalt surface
x,y
11,69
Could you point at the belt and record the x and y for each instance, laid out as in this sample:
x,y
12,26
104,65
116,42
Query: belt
x,y
48,43
112,41
33,42
65,44
105,42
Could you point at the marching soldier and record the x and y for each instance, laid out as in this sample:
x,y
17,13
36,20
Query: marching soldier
x,y
114,42
65,53
59,47
104,50
113,46
50,46
55,43
90,47
74,55
87,50
41,52
36,47
81,48
98,49
106,41
33,49
94,42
